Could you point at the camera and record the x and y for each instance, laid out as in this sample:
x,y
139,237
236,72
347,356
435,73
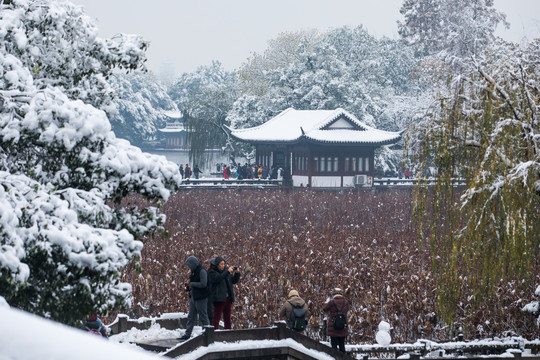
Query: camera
x,y
235,268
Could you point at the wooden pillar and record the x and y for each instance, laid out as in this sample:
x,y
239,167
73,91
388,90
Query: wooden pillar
x,y
310,166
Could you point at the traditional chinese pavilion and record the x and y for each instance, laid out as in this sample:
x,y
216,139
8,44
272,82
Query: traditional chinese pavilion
x,y
174,134
318,148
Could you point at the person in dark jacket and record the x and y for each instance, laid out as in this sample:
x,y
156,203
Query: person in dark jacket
x,y
198,299
333,305
221,281
293,299
181,171
196,171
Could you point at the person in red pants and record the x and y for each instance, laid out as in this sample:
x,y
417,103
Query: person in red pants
x,y
221,283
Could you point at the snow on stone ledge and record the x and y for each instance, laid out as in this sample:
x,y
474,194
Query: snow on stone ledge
x,y
30,337
166,316
254,344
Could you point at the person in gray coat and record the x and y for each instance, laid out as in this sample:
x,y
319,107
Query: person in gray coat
x,y
198,295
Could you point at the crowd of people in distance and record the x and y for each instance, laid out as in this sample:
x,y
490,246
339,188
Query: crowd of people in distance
x,y
247,171
239,172
186,172
211,296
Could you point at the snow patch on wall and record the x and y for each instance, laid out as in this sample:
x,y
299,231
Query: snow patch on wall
x,y
326,181
300,180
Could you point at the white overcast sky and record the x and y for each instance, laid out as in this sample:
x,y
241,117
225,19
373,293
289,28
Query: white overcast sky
x,y
185,34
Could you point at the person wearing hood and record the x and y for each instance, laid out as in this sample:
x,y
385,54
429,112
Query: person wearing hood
x,y
293,300
333,306
198,295
221,282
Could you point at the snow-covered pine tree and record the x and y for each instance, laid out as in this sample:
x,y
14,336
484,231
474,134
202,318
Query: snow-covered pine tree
x,y
451,26
60,47
63,240
141,107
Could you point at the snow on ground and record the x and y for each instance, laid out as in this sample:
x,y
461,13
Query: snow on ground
x,y
28,337
254,344
154,333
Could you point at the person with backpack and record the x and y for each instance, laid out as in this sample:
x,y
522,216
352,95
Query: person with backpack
x,y
198,295
94,326
336,327
295,311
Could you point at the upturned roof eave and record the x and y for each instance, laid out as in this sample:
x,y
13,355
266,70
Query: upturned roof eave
x,y
267,142
307,139
352,143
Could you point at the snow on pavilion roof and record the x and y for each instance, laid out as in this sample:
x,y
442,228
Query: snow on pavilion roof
x,y
175,123
176,127
319,126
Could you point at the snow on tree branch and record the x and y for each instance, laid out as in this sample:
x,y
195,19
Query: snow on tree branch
x,y
63,244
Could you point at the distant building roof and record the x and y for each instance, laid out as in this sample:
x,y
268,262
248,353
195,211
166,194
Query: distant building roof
x,y
173,113
173,127
318,126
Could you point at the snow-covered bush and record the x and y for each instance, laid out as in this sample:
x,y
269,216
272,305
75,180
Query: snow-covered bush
x,y
63,244
533,307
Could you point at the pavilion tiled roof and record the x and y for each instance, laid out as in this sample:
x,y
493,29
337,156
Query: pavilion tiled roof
x,y
319,126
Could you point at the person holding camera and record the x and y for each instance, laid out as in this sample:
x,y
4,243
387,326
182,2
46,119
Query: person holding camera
x,y
198,295
336,308
221,282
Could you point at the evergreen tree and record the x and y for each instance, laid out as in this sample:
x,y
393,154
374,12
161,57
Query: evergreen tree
x,y
63,240
142,104
452,26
